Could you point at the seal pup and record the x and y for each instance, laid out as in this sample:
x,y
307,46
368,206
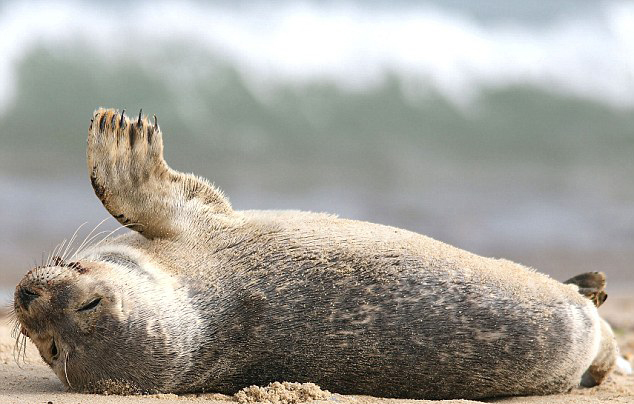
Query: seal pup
x,y
200,297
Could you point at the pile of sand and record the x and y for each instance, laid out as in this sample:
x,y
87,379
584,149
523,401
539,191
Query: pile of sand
x,y
282,393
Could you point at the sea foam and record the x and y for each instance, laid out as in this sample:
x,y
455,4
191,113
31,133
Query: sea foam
x,y
354,45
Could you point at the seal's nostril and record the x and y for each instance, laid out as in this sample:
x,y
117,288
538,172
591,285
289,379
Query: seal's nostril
x,y
26,296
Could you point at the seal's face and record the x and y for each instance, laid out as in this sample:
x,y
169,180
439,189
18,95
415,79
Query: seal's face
x,y
64,309
103,326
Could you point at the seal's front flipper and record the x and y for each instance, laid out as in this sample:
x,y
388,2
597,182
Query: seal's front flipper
x,y
591,285
132,180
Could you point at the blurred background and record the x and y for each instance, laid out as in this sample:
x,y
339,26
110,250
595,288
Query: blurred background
x,y
503,127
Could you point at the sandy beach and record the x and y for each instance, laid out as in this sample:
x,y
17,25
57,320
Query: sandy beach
x,y
502,128
33,382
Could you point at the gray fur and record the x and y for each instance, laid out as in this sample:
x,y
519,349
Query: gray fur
x,y
205,298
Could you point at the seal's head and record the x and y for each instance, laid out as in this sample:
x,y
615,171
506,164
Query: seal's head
x,y
60,307
90,324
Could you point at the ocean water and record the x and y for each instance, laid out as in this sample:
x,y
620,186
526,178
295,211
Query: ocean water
x,y
503,127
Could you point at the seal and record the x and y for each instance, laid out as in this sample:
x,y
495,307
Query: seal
x,y
203,298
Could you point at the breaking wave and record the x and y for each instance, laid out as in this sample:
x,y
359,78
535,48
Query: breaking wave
x,y
354,45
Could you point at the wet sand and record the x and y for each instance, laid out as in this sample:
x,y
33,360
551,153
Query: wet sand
x,y
33,382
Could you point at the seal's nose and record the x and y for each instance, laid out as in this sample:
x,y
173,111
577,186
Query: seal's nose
x,y
25,297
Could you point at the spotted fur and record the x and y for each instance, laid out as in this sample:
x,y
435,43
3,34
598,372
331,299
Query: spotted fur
x,y
206,298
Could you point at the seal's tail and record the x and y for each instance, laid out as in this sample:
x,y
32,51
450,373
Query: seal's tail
x,y
591,285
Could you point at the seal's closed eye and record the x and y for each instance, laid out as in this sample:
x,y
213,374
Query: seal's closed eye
x,y
90,305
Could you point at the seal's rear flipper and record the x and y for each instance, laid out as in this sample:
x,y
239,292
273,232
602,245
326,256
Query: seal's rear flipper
x,y
591,285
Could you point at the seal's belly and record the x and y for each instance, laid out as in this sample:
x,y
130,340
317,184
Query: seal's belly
x,y
368,309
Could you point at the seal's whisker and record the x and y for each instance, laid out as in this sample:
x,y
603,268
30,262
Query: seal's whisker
x,y
88,243
15,328
13,316
48,259
65,371
83,243
19,349
72,240
16,350
59,253
51,258
59,250
24,341
15,331
86,239
112,232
